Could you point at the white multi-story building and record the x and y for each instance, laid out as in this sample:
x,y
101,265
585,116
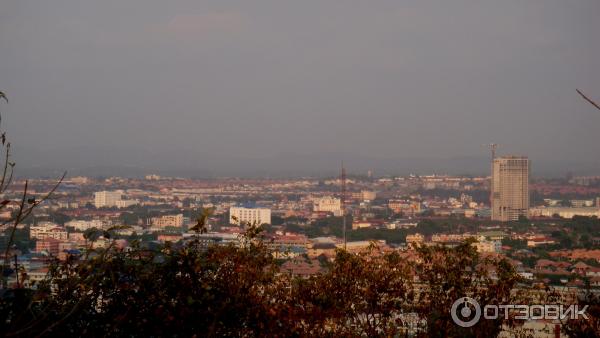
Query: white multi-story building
x,y
107,198
168,221
82,225
564,212
46,230
126,203
240,215
329,204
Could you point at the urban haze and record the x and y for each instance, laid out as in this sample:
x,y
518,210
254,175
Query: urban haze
x,y
213,88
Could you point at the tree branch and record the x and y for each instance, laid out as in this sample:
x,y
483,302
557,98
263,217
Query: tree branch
x,y
588,99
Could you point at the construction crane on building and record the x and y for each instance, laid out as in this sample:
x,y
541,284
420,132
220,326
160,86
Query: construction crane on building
x,y
493,147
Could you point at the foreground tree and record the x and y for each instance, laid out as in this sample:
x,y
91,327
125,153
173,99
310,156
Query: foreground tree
x,y
449,274
239,291
359,295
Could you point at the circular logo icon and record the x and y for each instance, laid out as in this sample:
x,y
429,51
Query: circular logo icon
x,y
465,312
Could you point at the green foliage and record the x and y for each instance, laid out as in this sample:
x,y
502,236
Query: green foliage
x,y
292,227
515,244
357,296
21,239
129,218
277,220
429,227
578,233
396,236
587,327
330,226
59,218
583,224
238,291
453,273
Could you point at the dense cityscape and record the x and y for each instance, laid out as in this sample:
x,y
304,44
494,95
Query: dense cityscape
x,y
551,240
299,169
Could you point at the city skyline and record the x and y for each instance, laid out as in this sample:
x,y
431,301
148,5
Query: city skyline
x,y
300,168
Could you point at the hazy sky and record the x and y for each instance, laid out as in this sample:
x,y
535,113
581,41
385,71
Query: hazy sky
x,y
136,82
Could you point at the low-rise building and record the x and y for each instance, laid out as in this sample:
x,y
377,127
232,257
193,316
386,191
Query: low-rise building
x,y
484,246
48,245
107,199
47,230
328,204
537,241
82,225
415,239
175,221
564,212
302,268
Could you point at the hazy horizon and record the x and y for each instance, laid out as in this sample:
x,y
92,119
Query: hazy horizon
x,y
131,163
277,88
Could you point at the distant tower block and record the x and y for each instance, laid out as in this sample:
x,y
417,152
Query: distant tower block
x,y
510,188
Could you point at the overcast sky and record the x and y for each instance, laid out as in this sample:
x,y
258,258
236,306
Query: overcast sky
x,y
236,81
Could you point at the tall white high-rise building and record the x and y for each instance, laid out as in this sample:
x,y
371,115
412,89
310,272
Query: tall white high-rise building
x,y
249,215
107,198
510,188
